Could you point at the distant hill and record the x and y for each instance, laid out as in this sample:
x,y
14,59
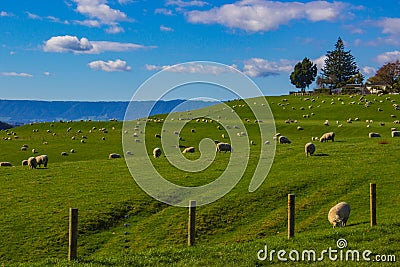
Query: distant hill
x,y
4,125
26,111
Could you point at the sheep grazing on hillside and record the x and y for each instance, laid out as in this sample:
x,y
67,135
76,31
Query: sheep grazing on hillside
x,y
395,133
5,164
339,214
189,150
72,150
284,140
157,152
23,148
32,163
309,148
42,159
372,135
326,123
114,156
224,147
327,136
64,153
34,151
24,162
158,135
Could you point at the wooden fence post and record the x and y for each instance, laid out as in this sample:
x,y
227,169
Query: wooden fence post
x,y
291,211
73,234
372,203
191,223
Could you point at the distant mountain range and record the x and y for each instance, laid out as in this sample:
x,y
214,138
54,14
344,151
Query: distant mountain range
x,y
25,111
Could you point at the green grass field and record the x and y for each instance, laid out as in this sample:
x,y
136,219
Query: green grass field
x,y
120,225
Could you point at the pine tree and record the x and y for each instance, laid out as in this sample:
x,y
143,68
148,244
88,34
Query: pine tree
x,y
303,74
339,67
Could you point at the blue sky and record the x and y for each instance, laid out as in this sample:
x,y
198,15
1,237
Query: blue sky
x,y
103,50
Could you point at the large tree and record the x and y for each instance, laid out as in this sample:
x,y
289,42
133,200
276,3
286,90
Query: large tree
x,y
304,74
388,74
339,66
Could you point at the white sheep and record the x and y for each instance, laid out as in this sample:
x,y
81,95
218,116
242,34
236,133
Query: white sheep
x,y
309,148
157,152
372,135
189,150
327,136
284,140
32,163
24,162
339,214
5,164
114,156
395,133
42,159
64,153
224,147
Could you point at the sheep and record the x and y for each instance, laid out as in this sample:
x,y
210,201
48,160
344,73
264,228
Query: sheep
x,y
193,130
157,152
23,148
309,148
5,164
326,123
372,135
252,143
188,150
339,214
300,128
72,150
64,153
224,147
395,133
42,159
32,163
24,162
327,136
34,151
114,156
284,140
158,135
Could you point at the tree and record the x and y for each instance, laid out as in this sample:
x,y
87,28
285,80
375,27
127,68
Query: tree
x,y
304,74
388,74
339,66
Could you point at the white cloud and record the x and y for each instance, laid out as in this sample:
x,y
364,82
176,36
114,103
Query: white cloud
x,y
258,67
320,62
89,23
388,57
164,11
191,68
110,66
46,73
98,10
166,29
368,71
5,14
62,44
181,3
390,25
16,74
33,16
262,15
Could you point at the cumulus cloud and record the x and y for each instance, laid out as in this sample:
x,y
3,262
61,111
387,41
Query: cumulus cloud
x,y
320,62
258,67
191,68
390,25
368,71
110,66
164,11
100,11
63,44
388,57
16,74
262,15
182,4
166,29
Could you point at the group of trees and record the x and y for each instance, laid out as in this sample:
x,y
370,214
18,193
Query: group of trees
x,y
341,69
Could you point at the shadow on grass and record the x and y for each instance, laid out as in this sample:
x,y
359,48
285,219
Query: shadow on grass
x,y
321,155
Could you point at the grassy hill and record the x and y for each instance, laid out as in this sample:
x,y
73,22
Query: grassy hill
x,y
121,225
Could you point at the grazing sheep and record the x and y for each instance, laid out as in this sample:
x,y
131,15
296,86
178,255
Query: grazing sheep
x,y
395,133
372,135
193,130
73,138
72,151
284,140
224,147
5,164
157,152
64,153
309,148
252,143
300,128
42,159
158,135
34,151
339,214
327,136
23,148
114,156
188,150
32,163
326,123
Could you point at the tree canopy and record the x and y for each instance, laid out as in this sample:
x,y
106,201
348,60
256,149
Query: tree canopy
x,y
304,74
339,66
388,74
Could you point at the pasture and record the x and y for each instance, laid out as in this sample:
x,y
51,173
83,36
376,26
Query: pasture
x,y
120,225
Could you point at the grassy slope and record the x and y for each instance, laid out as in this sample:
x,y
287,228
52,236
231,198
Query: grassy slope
x,y
231,230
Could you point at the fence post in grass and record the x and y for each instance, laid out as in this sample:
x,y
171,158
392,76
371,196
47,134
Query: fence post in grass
x,y
191,222
291,209
372,203
73,234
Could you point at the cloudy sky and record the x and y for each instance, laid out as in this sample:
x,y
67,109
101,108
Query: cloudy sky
x,y
105,49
